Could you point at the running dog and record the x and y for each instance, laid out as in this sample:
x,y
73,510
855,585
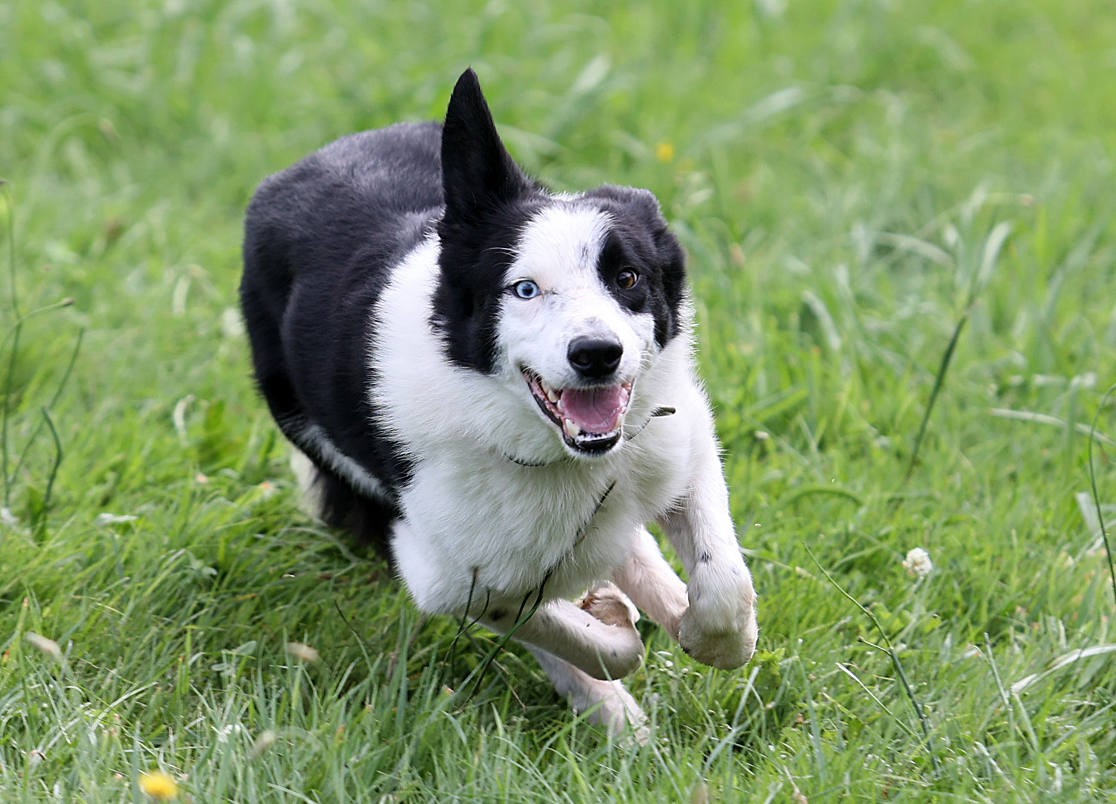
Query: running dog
x,y
495,383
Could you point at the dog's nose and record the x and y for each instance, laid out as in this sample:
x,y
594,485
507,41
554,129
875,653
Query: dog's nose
x,y
594,358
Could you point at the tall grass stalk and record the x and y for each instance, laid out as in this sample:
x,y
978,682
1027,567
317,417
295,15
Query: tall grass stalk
x,y
12,341
989,254
889,650
1096,495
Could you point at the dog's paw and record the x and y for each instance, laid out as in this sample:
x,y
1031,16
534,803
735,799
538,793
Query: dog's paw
x,y
611,607
719,628
608,604
604,703
614,709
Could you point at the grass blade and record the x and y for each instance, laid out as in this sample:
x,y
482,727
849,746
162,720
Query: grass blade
x,y
993,244
50,405
939,381
59,454
1096,495
890,651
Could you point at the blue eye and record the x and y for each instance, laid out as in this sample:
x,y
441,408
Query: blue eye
x,y
525,289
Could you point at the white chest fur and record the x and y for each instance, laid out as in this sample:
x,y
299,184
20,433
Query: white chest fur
x,y
478,524
476,521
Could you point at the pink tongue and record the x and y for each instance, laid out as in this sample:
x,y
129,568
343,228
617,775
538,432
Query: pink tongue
x,y
596,410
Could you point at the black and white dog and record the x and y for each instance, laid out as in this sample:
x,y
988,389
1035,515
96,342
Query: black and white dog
x,y
495,382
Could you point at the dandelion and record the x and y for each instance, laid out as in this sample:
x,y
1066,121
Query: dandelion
x,y
664,152
158,785
917,563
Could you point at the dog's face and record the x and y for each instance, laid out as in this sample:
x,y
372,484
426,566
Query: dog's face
x,y
565,301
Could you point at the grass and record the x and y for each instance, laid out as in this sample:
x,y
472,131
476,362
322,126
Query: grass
x,y
861,185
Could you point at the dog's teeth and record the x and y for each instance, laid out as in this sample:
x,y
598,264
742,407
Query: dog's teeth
x,y
551,394
571,429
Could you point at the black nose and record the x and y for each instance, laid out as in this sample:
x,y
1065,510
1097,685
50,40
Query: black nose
x,y
594,358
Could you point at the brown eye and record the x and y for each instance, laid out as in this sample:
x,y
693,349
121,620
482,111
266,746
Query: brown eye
x,y
626,280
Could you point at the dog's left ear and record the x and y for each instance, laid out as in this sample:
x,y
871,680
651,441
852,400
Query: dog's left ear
x,y
478,173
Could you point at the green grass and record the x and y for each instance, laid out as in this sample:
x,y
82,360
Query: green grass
x,y
853,179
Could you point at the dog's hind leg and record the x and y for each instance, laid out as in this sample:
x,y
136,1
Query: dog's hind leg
x,y
606,703
327,497
311,495
598,637
600,649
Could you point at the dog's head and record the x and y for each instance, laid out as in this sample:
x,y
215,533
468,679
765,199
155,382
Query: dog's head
x,y
564,300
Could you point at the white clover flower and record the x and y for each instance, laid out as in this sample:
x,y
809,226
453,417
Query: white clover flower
x,y
232,325
918,563
227,731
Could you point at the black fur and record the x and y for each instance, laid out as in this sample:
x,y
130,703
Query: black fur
x,y
488,199
640,241
320,239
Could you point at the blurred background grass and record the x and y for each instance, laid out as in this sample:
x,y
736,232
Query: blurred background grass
x,y
847,175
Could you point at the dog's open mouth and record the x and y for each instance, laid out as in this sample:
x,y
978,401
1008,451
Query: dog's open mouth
x,y
591,419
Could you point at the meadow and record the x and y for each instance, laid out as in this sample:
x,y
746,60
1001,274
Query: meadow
x,y
899,221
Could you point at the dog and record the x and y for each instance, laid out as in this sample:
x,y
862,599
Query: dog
x,y
495,384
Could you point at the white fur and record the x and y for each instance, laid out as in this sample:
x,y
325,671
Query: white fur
x,y
559,252
339,462
607,703
479,526
652,584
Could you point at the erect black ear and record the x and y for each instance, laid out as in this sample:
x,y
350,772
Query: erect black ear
x,y
477,171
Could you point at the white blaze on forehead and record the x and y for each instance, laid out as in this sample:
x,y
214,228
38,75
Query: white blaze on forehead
x,y
559,249
560,246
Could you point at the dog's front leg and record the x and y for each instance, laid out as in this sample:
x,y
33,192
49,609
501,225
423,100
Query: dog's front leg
x,y
719,626
652,584
603,650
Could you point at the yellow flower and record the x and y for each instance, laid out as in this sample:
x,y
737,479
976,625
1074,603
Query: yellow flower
x,y
664,152
158,784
